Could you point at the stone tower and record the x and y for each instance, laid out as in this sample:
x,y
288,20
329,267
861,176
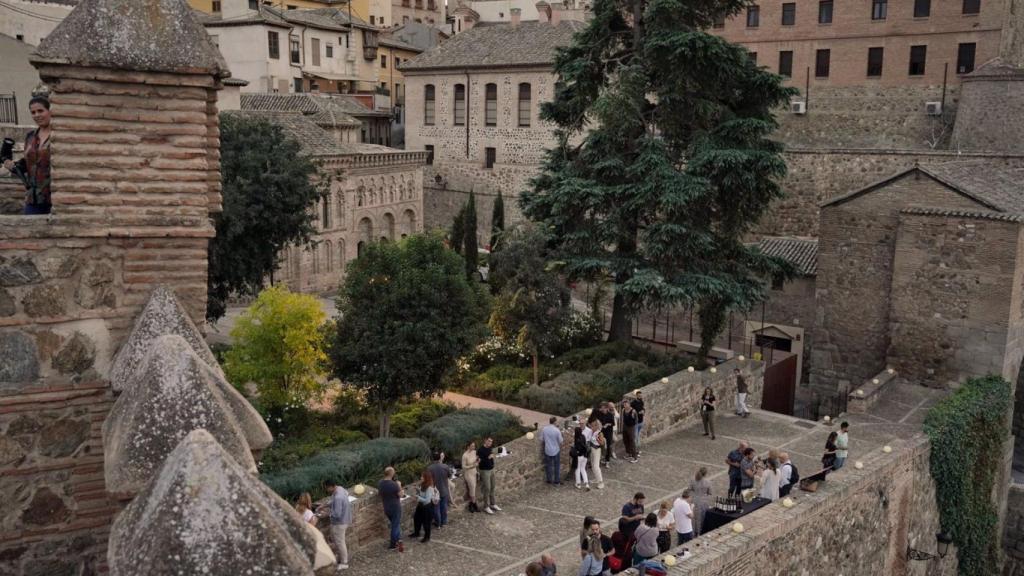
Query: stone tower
x,y
136,176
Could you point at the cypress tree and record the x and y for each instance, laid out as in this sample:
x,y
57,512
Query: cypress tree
x,y
458,233
662,162
497,221
469,243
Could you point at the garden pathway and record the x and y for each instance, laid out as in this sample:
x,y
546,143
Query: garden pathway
x,y
548,519
527,417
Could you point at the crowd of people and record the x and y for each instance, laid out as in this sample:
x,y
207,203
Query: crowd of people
x,y
641,534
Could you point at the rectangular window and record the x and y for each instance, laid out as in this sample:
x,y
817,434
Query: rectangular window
x,y
460,105
753,16
216,5
330,50
879,8
383,61
525,98
343,40
789,14
719,22
296,52
753,57
786,63
918,56
922,8
825,12
821,63
254,4
430,154
428,105
298,84
972,6
965,58
490,155
491,105
314,47
273,42
371,19
875,57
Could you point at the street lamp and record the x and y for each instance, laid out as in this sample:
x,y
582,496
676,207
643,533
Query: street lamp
x,y
944,540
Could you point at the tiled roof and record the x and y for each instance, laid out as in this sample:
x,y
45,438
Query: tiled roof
x,y
996,67
419,37
800,252
314,140
999,187
323,18
982,215
528,43
324,110
991,184
267,17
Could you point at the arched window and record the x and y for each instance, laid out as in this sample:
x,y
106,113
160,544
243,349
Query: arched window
x,y
428,105
326,209
341,207
296,262
330,256
409,222
316,259
460,105
361,196
341,255
491,105
524,104
389,226
366,230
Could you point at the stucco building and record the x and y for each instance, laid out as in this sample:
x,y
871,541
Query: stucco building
x,y
473,105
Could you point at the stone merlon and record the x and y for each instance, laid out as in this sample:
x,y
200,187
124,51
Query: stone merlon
x,y
137,35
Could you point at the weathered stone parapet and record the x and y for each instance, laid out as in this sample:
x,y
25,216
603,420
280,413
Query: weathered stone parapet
x,y
867,394
202,513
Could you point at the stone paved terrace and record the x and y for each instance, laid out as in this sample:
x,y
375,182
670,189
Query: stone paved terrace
x,y
548,519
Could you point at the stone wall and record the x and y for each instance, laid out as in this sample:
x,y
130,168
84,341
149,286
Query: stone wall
x,y
135,177
815,175
991,95
1013,532
855,267
953,282
671,403
860,522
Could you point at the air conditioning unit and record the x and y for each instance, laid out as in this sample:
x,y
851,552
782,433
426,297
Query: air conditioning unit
x,y
933,108
798,107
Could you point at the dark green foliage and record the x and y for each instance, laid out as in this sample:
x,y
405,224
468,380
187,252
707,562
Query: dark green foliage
x,y
968,431
407,312
470,246
451,433
457,235
674,165
497,221
364,462
501,383
269,188
712,313
287,452
408,418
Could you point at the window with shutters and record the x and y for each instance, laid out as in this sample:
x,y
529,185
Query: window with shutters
x,y
428,105
460,105
525,101
491,105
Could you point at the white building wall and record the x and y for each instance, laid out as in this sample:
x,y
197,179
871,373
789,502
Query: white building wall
x,y
33,21
247,52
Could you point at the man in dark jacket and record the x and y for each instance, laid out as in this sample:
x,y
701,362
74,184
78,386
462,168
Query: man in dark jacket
x,y
441,473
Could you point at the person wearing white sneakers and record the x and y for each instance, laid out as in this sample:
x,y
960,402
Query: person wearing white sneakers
x,y
341,519
486,455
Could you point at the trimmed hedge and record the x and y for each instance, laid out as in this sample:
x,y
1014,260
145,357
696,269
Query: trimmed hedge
x,y
287,453
345,464
967,432
452,432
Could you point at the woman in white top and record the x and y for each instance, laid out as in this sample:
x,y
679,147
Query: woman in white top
x,y
470,462
770,481
305,507
666,523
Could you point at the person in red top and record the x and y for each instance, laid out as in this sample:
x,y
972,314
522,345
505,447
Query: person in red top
x,y
34,169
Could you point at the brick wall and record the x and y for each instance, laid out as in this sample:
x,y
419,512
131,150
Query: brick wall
x,y
953,280
855,267
135,177
990,97
861,523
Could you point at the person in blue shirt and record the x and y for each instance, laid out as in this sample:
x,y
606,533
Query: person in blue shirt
x,y
341,519
552,439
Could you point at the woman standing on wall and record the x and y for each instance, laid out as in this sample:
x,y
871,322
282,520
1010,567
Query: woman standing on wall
x,y
34,169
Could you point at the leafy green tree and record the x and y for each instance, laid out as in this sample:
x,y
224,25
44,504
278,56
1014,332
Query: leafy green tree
x,y
469,244
279,346
457,235
662,162
532,303
497,221
407,313
269,188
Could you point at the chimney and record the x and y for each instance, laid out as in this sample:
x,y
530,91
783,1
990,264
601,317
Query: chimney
x,y
557,8
543,12
516,14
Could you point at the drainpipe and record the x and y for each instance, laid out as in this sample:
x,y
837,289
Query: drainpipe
x,y
467,115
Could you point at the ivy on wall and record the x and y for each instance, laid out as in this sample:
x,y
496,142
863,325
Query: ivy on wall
x,y
967,432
